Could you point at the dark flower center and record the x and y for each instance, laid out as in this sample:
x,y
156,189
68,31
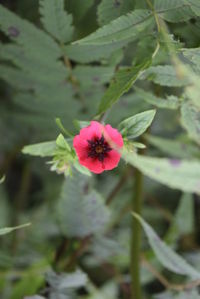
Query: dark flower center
x,y
98,148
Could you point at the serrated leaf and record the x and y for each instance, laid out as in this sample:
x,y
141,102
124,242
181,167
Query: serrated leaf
x,y
136,125
165,75
31,38
43,149
7,230
175,10
121,83
190,119
79,8
167,257
80,212
89,53
56,20
123,28
171,102
91,76
17,78
45,70
109,10
174,173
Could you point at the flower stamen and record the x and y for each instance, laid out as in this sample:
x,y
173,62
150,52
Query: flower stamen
x,y
98,148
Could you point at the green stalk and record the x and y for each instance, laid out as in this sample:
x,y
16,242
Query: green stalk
x,y
136,292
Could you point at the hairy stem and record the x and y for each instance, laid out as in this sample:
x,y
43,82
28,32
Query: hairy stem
x,y
136,237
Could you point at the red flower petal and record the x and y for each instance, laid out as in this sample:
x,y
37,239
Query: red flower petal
x,y
112,160
93,165
114,135
88,143
93,130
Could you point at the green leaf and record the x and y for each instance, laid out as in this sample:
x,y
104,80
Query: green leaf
x,y
184,219
62,143
79,8
91,76
179,174
17,78
64,281
167,257
7,230
55,20
80,210
42,70
190,119
32,39
121,83
81,168
177,10
136,125
109,10
171,102
165,75
174,148
88,53
126,27
32,280
80,124
2,179
43,149
193,56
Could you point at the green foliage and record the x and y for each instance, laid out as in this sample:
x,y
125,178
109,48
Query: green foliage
x,y
2,179
136,125
165,254
185,211
170,102
174,148
177,10
64,285
89,53
123,28
80,209
120,84
25,288
109,10
190,118
165,75
55,20
7,230
25,34
179,174
83,63
43,149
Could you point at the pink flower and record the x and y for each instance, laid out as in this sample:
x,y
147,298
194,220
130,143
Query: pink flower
x,y
97,147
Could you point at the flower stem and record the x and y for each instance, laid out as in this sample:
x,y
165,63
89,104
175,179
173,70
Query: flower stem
x,y
136,237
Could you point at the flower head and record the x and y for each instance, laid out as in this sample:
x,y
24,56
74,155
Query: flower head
x,y
97,147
